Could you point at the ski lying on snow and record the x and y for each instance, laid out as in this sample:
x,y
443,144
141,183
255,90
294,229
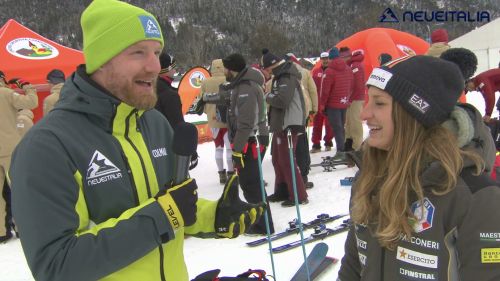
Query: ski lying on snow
x,y
294,228
314,260
320,233
325,264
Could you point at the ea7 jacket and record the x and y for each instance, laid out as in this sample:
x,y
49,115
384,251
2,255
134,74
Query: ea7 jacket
x,y
337,85
358,71
457,235
83,182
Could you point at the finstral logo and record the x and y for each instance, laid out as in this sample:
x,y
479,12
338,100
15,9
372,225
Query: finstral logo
x,y
32,49
101,169
388,16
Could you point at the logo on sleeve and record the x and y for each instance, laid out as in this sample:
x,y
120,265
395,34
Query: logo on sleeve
x,y
490,255
424,215
101,169
489,236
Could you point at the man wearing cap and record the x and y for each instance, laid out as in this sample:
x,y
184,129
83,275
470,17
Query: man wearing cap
x,y
310,94
247,128
439,43
336,91
55,78
354,124
169,101
286,118
93,185
320,119
10,103
217,121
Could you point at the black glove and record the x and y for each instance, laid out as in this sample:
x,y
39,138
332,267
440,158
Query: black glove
x,y
233,216
18,82
194,161
199,106
179,203
210,275
263,140
238,160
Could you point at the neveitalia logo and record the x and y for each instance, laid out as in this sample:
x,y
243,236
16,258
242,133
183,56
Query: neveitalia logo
x,y
388,15
32,49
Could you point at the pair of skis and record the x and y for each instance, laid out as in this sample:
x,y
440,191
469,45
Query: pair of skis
x,y
329,163
320,233
293,228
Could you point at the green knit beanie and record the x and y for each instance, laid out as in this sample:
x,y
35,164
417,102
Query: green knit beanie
x,y
110,26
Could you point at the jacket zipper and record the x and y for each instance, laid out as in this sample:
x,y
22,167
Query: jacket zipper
x,y
382,265
132,182
148,188
127,127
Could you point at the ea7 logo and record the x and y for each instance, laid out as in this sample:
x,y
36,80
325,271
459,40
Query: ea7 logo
x,y
419,103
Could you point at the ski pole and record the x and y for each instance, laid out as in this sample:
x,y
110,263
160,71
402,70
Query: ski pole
x,y
266,216
296,199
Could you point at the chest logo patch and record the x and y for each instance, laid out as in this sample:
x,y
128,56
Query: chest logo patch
x,y
424,215
101,169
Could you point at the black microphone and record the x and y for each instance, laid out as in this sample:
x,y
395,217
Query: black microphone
x,y
184,145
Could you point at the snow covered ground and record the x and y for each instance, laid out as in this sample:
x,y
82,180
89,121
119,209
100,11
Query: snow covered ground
x,y
232,256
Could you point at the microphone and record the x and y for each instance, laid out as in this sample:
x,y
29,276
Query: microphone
x,y
184,145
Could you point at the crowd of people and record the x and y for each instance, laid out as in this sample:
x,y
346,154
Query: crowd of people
x,y
97,171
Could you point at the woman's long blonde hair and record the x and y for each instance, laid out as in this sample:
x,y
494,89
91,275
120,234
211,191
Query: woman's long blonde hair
x,y
390,180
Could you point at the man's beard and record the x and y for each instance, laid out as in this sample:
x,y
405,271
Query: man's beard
x,y
229,76
124,90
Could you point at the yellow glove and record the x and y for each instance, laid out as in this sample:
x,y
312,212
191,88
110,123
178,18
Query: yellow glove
x,y
233,216
179,203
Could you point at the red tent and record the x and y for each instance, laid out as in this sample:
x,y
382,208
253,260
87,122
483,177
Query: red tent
x,y
28,55
374,41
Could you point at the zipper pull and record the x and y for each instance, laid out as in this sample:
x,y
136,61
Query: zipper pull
x,y
137,127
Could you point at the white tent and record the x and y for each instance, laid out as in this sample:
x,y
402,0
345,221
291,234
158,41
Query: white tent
x,y
484,42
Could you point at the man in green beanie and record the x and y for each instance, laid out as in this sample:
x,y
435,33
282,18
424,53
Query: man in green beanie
x,y
93,190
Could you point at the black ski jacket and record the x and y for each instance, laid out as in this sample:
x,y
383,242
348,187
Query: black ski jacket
x,y
458,235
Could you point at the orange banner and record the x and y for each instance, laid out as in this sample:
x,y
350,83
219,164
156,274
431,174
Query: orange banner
x,y
190,86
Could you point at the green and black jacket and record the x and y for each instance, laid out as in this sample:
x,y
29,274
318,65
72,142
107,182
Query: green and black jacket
x,y
83,183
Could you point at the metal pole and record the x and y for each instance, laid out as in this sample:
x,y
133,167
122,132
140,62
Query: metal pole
x,y
296,198
266,216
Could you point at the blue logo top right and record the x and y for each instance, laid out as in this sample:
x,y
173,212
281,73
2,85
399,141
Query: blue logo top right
x,y
389,16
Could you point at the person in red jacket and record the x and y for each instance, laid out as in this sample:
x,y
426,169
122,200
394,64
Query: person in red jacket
x,y
320,119
335,94
354,125
487,83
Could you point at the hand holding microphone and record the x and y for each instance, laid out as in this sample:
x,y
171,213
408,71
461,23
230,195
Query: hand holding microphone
x,y
179,199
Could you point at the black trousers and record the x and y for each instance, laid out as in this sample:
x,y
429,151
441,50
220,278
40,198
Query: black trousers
x,y
303,156
250,184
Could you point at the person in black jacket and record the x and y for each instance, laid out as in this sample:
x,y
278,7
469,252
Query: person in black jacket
x,y
169,101
419,209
